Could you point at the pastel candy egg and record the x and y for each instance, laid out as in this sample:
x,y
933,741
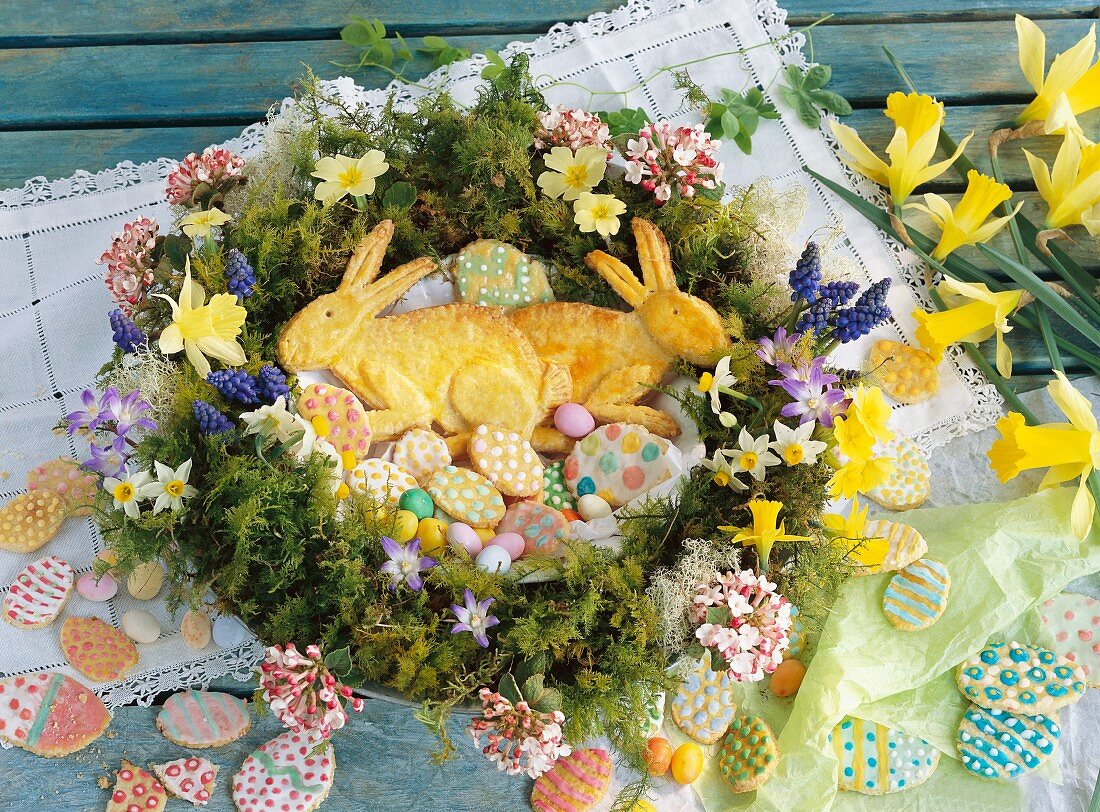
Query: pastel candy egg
x,y
592,507
573,420
228,632
464,536
432,535
687,763
405,525
140,626
494,558
787,678
418,502
145,580
196,630
512,542
95,589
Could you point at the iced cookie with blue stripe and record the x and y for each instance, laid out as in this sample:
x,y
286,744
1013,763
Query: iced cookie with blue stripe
x,y
1020,679
796,636
998,744
496,274
876,760
703,707
889,546
916,596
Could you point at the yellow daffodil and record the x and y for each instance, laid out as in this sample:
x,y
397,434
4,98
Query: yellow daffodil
x,y
764,531
569,175
871,411
1071,188
599,213
1070,450
975,314
201,329
1074,75
966,224
200,223
917,120
860,475
846,530
341,175
853,441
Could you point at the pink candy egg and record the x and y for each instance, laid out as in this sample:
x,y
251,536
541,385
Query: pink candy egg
x,y
464,536
512,542
573,420
97,591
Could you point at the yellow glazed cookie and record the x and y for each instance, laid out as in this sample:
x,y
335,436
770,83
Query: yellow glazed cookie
x,y
467,495
911,483
506,460
73,485
421,452
30,520
908,374
890,546
381,480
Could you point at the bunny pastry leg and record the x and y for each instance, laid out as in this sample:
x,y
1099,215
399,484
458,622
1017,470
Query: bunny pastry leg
x,y
549,440
615,397
385,387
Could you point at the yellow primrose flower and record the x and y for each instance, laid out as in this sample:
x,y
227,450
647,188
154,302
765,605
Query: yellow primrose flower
x,y
203,329
917,120
599,213
871,411
868,552
1072,186
764,531
860,475
966,224
1069,450
975,314
569,175
199,223
1074,76
341,175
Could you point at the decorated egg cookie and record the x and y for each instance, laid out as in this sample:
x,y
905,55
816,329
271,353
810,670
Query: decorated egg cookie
x,y
337,415
506,460
191,779
908,374
910,484
39,593
703,706
998,744
890,546
64,477
201,719
467,495
98,651
1074,622
1020,679
796,636
285,773
136,791
30,520
50,715
542,527
554,492
917,595
497,274
576,783
380,480
616,462
876,760
748,754
421,453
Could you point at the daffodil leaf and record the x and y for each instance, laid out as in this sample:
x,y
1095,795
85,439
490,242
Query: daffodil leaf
x,y
401,195
339,661
805,93
177,249
626,121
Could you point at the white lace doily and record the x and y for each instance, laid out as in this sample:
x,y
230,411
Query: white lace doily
x,y
53,303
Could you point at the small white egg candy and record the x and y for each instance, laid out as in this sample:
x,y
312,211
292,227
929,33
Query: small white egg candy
x,y
592,507
465,537
140,626
494,559
229,632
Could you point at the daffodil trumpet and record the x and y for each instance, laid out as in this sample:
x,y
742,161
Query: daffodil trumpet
x,y
765,531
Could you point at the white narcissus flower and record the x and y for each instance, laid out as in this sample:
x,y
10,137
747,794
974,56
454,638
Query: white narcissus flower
x,y
170,487
723,473
274,422
712,383
752,455
127,491
794,446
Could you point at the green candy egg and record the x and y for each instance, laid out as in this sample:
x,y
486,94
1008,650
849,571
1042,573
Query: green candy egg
x,y
417,502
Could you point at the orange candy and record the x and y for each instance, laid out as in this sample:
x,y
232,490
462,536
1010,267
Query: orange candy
x,y
571,515
787,678
658,755
687,762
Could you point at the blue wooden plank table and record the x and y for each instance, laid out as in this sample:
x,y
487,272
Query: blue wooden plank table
x,y
85,84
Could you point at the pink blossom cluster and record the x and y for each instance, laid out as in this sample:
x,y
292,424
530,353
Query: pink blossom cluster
x,y
520,739
757,632
303,693
130,264
663,159
562,126
197,177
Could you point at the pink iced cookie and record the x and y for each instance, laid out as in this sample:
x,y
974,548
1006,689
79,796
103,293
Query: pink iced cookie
x,y
284,774
39,593
50,714
338,416
1074,622
541,527
73,485
191,779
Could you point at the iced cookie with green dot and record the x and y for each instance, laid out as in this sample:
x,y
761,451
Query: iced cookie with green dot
x,y
877,760
496,274
748,754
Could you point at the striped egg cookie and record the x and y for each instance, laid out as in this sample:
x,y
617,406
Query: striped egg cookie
x,y
1020,679
50,714
910,485
890,546
917,595
576,783
1074,622
201,719
877,760
39,593
998,744
703,706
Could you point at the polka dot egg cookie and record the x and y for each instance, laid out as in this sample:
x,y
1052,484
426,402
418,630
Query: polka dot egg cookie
x,y
998,744
421,452
97,650
703,707
337,415
554,492
136,791
616,462
1020,679
506,460
877,760
541,527
748,754
496,274
381,480
191,779
911,483
74,486
467,496
1074,622
30,520
284,774
908,374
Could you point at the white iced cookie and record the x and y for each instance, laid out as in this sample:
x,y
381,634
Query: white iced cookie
x,y
421,452
507,460
381,480
39,593
911,483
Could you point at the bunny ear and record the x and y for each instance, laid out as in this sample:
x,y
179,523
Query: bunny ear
x,y
392,286
653,255
366,260
620,277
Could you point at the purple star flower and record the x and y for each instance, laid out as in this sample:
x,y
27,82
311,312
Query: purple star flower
x,y
126,411
108,460
92,415
803,372
777,349
814,396
405,564
474,617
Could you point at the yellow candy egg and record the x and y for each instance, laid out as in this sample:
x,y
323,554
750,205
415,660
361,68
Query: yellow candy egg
x,y
432,534
485,533
687,762
405,525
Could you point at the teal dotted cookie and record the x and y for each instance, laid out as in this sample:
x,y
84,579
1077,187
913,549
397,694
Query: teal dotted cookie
x,y
703,707
998,744
555,494
496,274
1020,679
796,636
877,760
467,496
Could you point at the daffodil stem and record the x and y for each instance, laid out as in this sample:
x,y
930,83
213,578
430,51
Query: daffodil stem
x,y
741,396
